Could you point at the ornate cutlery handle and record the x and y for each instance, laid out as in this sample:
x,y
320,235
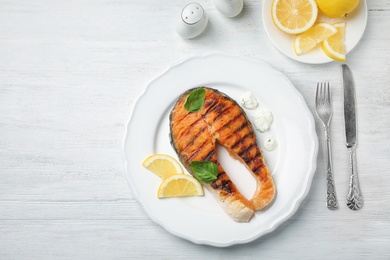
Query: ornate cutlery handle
x,y
331,198
354,197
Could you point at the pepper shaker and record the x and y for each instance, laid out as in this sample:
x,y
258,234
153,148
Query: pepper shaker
x,y
229,8
192,22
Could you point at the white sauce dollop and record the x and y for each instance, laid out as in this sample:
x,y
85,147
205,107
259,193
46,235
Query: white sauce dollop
x,y
248,100
262,119
270,143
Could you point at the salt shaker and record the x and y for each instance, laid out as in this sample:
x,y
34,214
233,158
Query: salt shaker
x,y
192,22
229,8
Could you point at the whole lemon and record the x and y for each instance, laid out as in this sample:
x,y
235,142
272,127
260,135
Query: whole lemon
x,y
337,8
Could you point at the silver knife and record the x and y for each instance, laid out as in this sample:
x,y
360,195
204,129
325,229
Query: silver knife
x,y
354,197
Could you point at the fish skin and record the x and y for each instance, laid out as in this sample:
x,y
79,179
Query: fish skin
x,y
221,121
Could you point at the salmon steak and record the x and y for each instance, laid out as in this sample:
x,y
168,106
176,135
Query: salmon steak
x,y
221,121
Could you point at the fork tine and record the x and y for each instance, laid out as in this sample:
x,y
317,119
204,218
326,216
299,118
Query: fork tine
x,y
328,94
324,92
318,94
322,96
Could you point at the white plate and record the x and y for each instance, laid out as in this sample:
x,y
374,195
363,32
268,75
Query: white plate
x,y
293,163
354,30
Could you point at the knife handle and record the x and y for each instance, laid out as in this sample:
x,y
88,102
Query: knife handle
x,y
331,198
354,197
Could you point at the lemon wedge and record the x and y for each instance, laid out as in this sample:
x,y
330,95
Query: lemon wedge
x,y
180,185
162,165
306,41
292,16
334,45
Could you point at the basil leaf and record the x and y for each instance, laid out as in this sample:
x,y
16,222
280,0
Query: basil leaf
x,y
195,100
204,171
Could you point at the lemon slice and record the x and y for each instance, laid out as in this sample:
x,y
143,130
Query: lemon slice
x,y
292,16
180,185
162,165
316,34
334,46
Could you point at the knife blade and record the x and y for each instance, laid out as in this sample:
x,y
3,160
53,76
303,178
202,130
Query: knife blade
x,y
349,106
354,197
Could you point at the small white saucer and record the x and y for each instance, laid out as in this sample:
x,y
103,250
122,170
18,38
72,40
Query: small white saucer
x,y
354,29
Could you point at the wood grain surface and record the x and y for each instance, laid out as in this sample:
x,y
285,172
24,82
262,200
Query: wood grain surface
x,y
70,72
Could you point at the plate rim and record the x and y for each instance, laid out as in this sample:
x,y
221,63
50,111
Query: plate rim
x,y
295,204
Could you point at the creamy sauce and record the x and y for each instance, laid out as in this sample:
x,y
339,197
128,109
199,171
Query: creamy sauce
x,y
270,143
263,119
248,100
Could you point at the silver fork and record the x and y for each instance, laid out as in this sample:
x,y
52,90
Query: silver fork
x,y
324,112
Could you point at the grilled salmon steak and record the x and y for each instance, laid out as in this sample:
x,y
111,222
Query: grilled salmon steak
x,y
220,120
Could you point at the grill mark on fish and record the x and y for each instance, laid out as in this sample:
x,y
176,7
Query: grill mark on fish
x,y
181,120
194,138
215,109
225,185
258,153
210,103
197,151
257,167
244,124
189,128
244,154
223,112
229,123
239,141
208,156
221,176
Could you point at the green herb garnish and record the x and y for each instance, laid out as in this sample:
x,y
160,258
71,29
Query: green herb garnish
x,y
195,100
204,171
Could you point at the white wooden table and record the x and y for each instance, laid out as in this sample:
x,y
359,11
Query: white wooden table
x,y
69,73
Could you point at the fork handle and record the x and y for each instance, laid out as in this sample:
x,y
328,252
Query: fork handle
x,y
354,197
331,198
